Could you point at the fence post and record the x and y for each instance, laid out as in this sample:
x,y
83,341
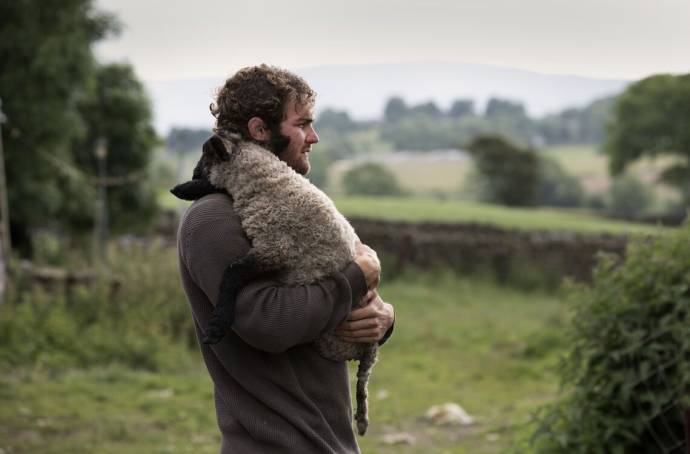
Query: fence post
x,y
101,225
4,207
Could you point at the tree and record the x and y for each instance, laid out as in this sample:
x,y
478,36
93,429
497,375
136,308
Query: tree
x,y
461,107
557,188
429,109
573,125
118,110
629,198
395,109
511,173
186,140
651,118
509,119
336,120
320,162
425,133
45,66
497,107
371,179
594,118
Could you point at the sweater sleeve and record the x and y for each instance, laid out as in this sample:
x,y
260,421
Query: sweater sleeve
x,y
268,315
273,317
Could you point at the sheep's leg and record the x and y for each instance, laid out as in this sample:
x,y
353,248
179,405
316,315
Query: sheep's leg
x,y
236,275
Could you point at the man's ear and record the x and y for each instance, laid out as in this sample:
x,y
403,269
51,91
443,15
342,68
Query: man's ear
x,y
258,129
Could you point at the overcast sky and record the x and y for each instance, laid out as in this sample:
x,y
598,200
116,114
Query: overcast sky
x,y
626,39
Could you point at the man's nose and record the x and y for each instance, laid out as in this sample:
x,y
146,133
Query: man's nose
x,y
313,136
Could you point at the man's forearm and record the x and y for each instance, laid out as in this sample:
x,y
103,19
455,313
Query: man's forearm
x,y
274,318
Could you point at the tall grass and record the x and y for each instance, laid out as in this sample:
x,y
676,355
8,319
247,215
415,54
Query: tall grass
x,y
143,323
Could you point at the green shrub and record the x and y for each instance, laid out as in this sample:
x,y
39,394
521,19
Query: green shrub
x,y
556,187
145,323
627,373
318,172
510,172
371,179
629,198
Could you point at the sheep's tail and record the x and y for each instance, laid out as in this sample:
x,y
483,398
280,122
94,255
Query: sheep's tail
x,y
366,363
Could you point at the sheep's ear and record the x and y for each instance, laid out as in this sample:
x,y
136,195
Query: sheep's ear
x,y
215,149
198,173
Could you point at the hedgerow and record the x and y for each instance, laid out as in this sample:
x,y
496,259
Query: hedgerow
x,y
626,376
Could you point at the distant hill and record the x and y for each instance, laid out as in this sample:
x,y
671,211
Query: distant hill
x,y
363,90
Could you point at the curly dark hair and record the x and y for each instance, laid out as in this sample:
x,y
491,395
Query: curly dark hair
x,y
258,91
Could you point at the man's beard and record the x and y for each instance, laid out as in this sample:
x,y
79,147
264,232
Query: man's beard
x,y
278,143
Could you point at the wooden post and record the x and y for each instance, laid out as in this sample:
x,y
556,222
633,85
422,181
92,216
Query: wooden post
x,y
101,226
4,207
5,245
3,274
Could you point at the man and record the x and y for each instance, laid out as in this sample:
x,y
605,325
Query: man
x,y
273,392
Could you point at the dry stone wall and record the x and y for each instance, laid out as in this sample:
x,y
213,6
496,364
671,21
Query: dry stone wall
x,y
470,246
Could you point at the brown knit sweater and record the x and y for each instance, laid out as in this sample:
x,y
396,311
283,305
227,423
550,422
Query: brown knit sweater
x,y
273,392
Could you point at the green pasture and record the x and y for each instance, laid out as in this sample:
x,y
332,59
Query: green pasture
x,y
590,165
491,350
432,210
586,162
415,177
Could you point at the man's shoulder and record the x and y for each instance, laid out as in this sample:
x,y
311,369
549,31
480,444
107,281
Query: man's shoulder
x,y
210,209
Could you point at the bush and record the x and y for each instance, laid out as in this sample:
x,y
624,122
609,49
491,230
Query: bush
x,y
144,324
318,172
371,179
627,373
510,172
557,188
629,198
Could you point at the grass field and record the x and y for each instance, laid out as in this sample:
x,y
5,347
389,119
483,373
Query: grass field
x,y
586,162
491,350
416,177
422,209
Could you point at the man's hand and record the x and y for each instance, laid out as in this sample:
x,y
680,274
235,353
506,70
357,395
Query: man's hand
x,y
368,261
369,323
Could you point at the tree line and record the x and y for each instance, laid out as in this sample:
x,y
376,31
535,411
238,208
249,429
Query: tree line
x,y
425,126
462,121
